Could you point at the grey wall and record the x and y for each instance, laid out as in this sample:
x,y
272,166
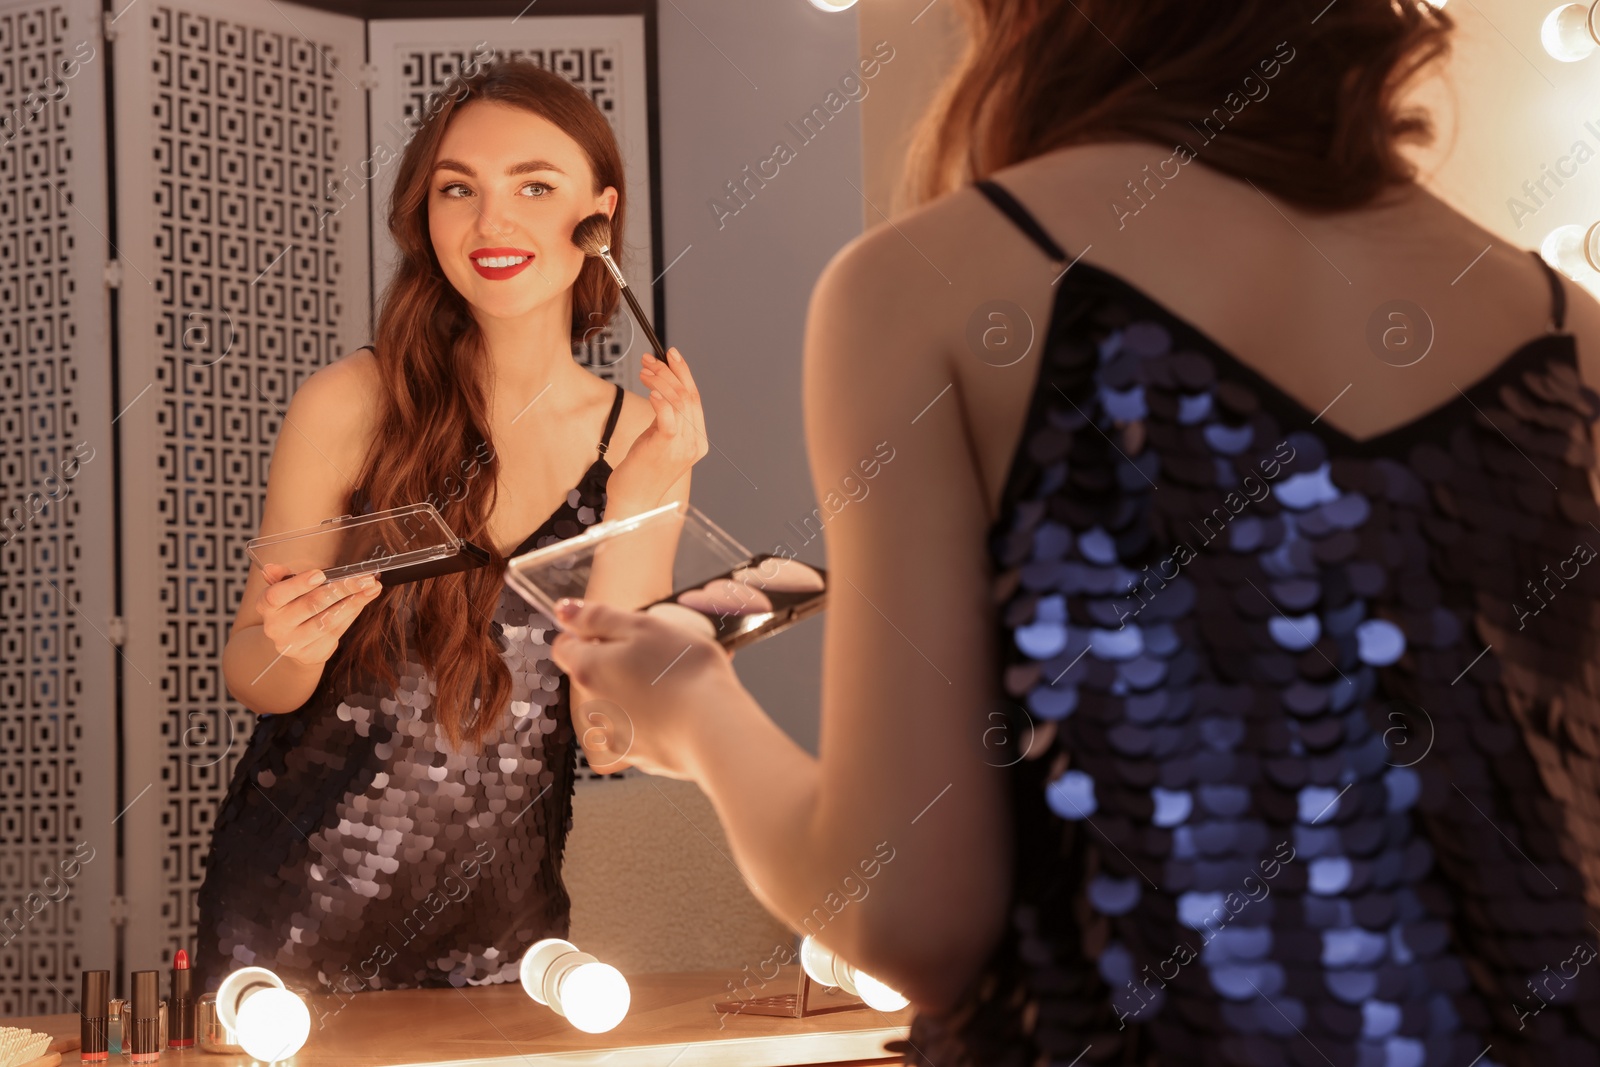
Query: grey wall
x,y
732,74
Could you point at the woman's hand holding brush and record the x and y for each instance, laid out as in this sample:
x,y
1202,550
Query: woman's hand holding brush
x,y
669,446
676,440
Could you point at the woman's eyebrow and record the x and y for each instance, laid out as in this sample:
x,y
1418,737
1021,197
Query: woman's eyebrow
x,y
528,167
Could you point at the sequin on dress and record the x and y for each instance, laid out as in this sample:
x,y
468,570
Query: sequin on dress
x,y
356,850
1318,767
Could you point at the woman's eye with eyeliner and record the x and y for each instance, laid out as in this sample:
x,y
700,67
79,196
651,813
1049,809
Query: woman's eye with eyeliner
x,y
447,190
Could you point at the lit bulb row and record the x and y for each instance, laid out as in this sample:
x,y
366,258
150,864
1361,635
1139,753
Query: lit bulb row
x,y
1570,32
268,1021
1574,251
271,1023
824,967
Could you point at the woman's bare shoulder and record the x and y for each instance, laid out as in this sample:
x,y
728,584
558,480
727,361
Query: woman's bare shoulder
x,y
335,409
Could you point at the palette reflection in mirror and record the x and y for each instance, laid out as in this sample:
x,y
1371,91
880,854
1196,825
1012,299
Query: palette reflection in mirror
x,y
722,590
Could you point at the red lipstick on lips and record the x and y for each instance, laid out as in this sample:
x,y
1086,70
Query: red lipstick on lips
x,y
497,273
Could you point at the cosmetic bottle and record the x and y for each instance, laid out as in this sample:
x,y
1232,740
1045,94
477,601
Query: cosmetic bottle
x,y
116,1024
180,1014
94,1018
143,1028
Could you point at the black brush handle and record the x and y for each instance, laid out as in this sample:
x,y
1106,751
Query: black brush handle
x,y
644,324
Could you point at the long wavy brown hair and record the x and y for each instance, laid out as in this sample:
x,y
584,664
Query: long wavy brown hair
x,y
433,428
1038,75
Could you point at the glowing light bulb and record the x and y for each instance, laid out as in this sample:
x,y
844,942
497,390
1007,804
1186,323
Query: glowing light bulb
x,y
833,5
593,996
1569,33
876,994
273,1025
825,967
271,1022
1573,251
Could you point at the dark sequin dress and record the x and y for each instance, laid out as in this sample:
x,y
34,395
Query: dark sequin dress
x,y
1320,769
357,850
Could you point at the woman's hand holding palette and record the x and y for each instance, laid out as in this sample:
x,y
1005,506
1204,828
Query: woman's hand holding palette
x,y
768,594
724,592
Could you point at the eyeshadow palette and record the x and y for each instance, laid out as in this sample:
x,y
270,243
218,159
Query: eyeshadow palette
x,y
723,591
399,545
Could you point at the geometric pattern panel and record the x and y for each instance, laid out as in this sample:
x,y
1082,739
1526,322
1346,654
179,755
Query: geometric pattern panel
x,y
56,661
249,284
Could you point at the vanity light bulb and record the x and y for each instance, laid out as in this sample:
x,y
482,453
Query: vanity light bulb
x,y
273,1025
828,969
833,5
1573,250
877,995
1568,33
592,995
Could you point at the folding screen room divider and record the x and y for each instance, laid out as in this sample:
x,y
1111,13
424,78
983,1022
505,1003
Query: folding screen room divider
x,y
191,214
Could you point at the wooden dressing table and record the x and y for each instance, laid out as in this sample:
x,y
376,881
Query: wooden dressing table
x,y
670,1021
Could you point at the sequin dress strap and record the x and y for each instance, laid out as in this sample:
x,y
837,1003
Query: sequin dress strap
x,y
1002,199
1558,295
611,423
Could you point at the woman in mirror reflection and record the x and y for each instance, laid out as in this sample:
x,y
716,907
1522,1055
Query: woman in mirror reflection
x,y
399,816
1184,657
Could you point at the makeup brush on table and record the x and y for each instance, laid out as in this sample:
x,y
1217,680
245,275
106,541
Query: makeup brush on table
x,y
593,235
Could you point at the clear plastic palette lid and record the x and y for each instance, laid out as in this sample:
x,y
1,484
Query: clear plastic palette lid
x,y
361,544
704,551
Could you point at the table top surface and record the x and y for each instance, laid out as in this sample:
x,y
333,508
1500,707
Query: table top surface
x,y
670,1020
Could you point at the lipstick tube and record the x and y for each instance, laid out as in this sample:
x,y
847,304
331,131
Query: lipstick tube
x,y
144,1029
181,1015
94,1040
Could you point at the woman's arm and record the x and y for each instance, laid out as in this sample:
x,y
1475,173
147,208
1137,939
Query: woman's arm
x,y
909,663
629,579
309,479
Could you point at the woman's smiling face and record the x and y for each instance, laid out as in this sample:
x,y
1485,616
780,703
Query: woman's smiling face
x,y
506,190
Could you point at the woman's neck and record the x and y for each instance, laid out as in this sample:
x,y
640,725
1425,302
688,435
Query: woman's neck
x,y
526,355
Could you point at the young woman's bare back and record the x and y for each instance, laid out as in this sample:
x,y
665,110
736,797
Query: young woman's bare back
x,y
1288,293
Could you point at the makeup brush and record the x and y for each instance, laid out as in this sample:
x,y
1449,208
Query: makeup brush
x,y
593,235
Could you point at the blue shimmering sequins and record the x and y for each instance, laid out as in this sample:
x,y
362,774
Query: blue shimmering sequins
x,y
1125,406
1352,946
1229,440
1318,802
1248,982
1380,642
1295,634
1051,541
1124,643
1072,796
1305,490
1194,408
1172,806
1329,875
1047,634
1048,702
1114,896
1096,546
1402,787
1379,1019
1232,853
